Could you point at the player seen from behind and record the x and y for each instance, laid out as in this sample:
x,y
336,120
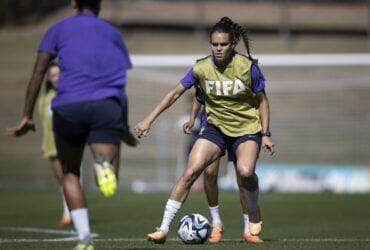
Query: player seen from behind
x,y
93,59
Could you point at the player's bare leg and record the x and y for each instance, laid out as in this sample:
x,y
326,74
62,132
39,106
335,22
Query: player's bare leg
x,y
247,155
202,154
70,158
211,190
58,172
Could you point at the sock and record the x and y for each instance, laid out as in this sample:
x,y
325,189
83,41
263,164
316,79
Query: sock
x,y
216,219
246,224
80,220
170,211
252,200
65,207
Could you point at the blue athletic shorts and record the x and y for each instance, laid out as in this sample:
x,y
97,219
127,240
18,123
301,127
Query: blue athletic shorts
x,y
211,133
89,122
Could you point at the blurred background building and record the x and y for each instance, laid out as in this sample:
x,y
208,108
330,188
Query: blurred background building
x,y
314,54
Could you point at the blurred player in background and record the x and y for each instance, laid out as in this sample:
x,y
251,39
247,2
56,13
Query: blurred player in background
x,y
48,147
237,118
211,176
88,106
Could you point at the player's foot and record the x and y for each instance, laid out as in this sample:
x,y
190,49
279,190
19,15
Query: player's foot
x,y
255,228
252,239
65,220
106,179
83,246
158,237
216,235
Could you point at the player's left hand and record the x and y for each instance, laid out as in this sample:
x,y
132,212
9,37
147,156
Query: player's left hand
x,y
25,125
142,129
268,146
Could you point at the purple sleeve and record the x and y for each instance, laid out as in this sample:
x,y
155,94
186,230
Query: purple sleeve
x,y
123,47
203,118
189,80
258,80
49,42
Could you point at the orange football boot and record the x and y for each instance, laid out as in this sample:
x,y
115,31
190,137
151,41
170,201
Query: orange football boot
x,y
253,239
216,235
158,237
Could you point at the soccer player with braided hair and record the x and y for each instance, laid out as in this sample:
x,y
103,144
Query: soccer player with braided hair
x,y
237,111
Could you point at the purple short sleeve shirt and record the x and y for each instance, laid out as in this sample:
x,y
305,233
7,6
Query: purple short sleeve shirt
x,y
93,58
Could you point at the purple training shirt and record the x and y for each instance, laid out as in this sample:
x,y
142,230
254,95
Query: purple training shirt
x,y
258,84
93,59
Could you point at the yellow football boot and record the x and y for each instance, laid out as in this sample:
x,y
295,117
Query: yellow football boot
x,y
82,246
106,178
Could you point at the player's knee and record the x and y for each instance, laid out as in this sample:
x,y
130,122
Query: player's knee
x,y
246,172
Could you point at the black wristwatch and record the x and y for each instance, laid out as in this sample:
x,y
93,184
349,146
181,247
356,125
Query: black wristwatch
x,y
267,133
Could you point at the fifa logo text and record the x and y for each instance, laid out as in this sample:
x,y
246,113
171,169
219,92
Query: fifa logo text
x,y
224,88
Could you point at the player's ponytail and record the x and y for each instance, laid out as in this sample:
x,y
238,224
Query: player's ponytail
x,y
236,33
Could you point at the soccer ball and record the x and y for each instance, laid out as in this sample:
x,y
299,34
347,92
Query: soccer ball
x,y
194,229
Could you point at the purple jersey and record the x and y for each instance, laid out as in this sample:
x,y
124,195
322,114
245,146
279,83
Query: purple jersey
x,y
93,59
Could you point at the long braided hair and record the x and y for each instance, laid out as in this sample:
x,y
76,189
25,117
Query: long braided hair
x,y
235,31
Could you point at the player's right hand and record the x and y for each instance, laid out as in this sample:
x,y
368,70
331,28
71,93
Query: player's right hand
x,y
25,125
188,126
268,146
142,129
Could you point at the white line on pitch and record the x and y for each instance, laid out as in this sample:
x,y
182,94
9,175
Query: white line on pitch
x,y
343,240
37,230
239,239
37,240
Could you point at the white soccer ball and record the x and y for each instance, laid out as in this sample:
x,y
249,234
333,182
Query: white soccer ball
x,y
194,229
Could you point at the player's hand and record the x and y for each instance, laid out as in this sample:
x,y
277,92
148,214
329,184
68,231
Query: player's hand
x,y
268,146
25,125
129,139
188,126
142,129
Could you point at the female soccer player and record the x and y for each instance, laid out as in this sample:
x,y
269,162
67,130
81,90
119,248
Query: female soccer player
x,y
237,118
210,181
48,148
94,60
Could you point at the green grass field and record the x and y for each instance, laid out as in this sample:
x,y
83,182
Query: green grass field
x,y
292,221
